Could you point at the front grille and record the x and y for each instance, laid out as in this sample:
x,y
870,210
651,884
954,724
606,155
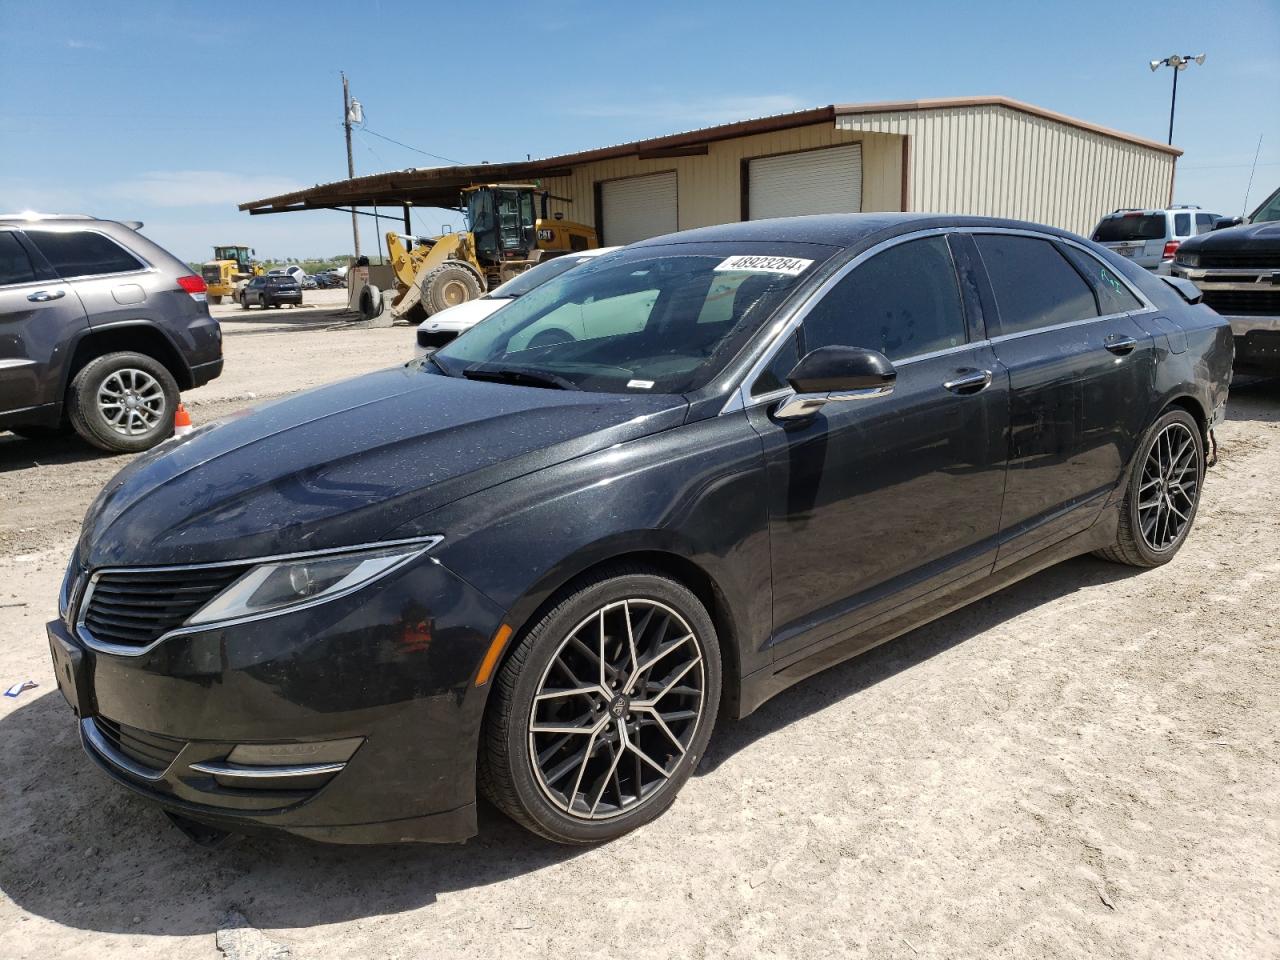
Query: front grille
x,y
1263,302
133,608
1242,259
148,750
427,338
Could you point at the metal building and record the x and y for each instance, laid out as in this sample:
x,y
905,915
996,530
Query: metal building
x,y
979,155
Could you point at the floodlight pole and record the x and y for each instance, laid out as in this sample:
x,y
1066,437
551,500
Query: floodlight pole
x,y
1178,63
351,163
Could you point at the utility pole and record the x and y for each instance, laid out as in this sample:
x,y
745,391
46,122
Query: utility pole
x,y
351,163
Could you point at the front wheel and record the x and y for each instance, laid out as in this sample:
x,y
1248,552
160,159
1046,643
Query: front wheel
x,y
1163,494
603,709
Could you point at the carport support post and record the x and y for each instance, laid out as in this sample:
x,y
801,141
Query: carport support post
x,y
351,163
408,227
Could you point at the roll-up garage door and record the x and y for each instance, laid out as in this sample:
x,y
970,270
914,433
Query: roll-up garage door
x,y
638,208
814,181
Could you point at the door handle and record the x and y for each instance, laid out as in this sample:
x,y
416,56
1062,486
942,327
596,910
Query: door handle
x,y
1121,345
971,382
44,296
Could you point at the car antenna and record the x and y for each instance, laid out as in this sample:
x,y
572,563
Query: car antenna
x,y
1245,209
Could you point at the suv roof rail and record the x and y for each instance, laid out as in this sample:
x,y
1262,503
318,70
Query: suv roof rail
x,y
32,215
1184,206
1130,209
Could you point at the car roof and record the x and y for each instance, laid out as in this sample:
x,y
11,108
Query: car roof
x,y
838,229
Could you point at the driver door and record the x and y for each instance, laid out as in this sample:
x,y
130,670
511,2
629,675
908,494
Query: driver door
x,y
876,503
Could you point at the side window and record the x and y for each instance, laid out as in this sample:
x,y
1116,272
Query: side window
x,y
1113,295
1204,222
1034,286
80,253
902,302
1182,224
15,265
774,376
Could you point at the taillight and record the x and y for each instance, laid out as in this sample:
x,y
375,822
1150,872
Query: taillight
x,y
194,285
1170,248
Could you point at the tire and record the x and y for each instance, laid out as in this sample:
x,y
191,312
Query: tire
x,y
1151,531
370,302
586,804
244,302
215,299
90,402
449,285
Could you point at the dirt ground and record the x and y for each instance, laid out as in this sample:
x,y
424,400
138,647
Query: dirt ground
x,y
1083,765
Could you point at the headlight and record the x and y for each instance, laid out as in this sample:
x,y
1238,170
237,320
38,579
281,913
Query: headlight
x,y
279,585
1187,259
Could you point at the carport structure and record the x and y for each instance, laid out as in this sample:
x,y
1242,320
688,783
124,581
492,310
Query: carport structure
x,y
976,155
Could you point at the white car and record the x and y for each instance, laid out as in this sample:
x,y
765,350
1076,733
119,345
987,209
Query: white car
x,y
440,328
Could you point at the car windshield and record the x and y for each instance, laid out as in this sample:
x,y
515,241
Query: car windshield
x,y
1269,211
519,285
648,319
1130,226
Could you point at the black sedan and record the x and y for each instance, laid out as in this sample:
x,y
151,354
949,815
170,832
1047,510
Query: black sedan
x,y
537,572
271,291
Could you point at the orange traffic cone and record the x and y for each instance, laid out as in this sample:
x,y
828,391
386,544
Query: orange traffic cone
x,y
181,422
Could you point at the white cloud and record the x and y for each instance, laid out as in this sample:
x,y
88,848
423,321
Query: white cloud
x,y
194,188
706,110
83,45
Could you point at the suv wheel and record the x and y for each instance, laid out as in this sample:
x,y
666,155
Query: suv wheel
x,y
244,301
123,402
603,709
1164,492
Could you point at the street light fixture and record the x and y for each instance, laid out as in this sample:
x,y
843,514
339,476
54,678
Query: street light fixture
x,y
1178,62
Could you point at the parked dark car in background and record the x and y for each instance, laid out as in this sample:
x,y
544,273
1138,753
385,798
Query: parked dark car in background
x,y
271,290
99,330
1238,270
538,571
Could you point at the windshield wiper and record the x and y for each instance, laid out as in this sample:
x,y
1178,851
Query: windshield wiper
x,y
521,376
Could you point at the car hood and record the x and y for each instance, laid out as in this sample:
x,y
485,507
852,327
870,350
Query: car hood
x,y
464,315
347,463
1251,236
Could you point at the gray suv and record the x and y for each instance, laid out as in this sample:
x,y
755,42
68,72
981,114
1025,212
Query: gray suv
x,y
99,330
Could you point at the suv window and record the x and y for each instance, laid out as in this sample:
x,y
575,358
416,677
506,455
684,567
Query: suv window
x,y
15,265
1130,226
81,253
1204,222
1034,286
1113,295
1181,224
902,302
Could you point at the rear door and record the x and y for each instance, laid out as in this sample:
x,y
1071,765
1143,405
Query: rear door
x,y
1080,371
874,503
40,317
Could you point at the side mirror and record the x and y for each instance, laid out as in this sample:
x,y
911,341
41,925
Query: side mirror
x,y
1222,223
836,373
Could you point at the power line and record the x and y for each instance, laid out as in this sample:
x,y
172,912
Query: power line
x,y
425,153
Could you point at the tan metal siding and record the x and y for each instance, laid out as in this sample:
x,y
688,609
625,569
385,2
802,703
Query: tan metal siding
x,y
710,186
989,160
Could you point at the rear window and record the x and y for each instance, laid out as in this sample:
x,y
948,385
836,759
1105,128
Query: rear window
x,y
277,279
15,265
81,253
1034,286
1130,226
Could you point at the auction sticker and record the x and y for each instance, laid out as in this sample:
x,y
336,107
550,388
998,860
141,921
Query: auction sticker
x,y
791,266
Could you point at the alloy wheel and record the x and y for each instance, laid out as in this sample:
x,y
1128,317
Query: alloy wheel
x,y
1169,488
616,709
131,401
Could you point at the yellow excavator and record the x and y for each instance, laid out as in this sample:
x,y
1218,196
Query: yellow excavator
x,y
232,265
508,231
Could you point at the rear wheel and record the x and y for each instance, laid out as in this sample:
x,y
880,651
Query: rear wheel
x,y
603,709
449,285
244,301
123,402
215,299
1163,494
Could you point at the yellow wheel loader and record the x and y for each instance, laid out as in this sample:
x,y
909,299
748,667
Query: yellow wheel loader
x,y
508,231
231,267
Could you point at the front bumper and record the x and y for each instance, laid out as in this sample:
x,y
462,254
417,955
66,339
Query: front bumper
x,y
391,667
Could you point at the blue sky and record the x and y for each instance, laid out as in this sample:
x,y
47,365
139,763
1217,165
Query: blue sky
x,y
172,113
